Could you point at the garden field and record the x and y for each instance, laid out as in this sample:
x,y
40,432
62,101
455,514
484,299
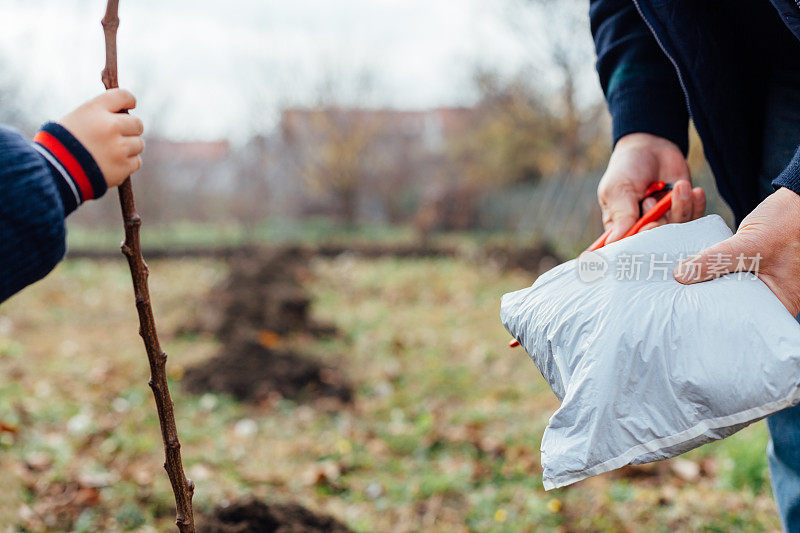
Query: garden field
x,y
440,433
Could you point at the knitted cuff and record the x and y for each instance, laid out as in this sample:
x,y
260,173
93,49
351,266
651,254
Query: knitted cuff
x,y
655,110
73,168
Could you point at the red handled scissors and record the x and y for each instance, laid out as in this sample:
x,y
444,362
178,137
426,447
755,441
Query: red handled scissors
x,y
653,214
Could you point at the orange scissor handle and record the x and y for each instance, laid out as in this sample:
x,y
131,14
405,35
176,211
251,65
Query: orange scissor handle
x,y
656,186
653,214
600,242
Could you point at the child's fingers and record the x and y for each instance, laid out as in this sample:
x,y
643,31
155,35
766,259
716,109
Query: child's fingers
x,y
133,145
134,164
130,126
115,100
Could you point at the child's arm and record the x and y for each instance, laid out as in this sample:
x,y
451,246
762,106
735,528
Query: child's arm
x,y
92,148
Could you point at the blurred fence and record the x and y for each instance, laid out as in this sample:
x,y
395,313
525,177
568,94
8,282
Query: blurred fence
x,y
561,211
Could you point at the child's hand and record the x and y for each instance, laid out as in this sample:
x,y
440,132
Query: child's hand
x,y
114,139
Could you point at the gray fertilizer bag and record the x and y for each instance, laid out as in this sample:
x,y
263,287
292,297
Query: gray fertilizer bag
x,y
647,368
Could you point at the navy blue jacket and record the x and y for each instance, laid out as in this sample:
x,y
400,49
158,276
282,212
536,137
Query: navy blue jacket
x,y
42,182
662,61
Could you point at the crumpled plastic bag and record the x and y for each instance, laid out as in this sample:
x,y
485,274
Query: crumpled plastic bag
x,y
647,368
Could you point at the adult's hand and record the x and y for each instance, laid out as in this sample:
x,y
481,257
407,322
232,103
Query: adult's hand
x,y
767,243
638,160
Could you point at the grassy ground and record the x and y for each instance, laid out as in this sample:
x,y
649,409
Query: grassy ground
x,y
443,434
311,231
199,235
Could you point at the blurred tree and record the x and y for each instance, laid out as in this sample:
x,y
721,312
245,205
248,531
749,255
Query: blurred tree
x,y
555,35
342,164
333,143
251,191
511,136
546,121
517,136
549,118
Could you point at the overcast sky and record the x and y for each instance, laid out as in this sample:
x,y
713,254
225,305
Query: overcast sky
x,y
207,69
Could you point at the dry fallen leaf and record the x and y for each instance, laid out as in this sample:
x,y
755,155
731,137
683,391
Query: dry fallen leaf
x,y
7,427
685,469
322,472
38,461
269,339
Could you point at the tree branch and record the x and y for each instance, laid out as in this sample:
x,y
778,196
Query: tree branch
x,y
181,485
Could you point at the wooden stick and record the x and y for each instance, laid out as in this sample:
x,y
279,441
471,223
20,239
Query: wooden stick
x,y
181,485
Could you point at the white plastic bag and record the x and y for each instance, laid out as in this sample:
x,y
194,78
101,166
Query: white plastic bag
x,y
647,368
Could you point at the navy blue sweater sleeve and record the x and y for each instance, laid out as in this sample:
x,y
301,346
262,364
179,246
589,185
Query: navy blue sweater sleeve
x,y
640,83
41,184
790,177
32,234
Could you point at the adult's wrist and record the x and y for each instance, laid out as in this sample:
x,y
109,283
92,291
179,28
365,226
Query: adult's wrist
x,y
790,198
646,140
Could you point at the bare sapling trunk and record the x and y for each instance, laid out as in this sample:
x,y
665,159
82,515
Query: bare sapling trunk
x,y
181,485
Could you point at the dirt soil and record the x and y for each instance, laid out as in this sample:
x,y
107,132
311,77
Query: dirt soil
x,y
260,302
251,372
253,516
508,257
535,260
263,292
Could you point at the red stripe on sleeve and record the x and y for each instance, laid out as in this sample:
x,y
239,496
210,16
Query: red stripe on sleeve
x,y
68,160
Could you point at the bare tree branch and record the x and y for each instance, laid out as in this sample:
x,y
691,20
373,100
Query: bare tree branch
x,y
181,485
